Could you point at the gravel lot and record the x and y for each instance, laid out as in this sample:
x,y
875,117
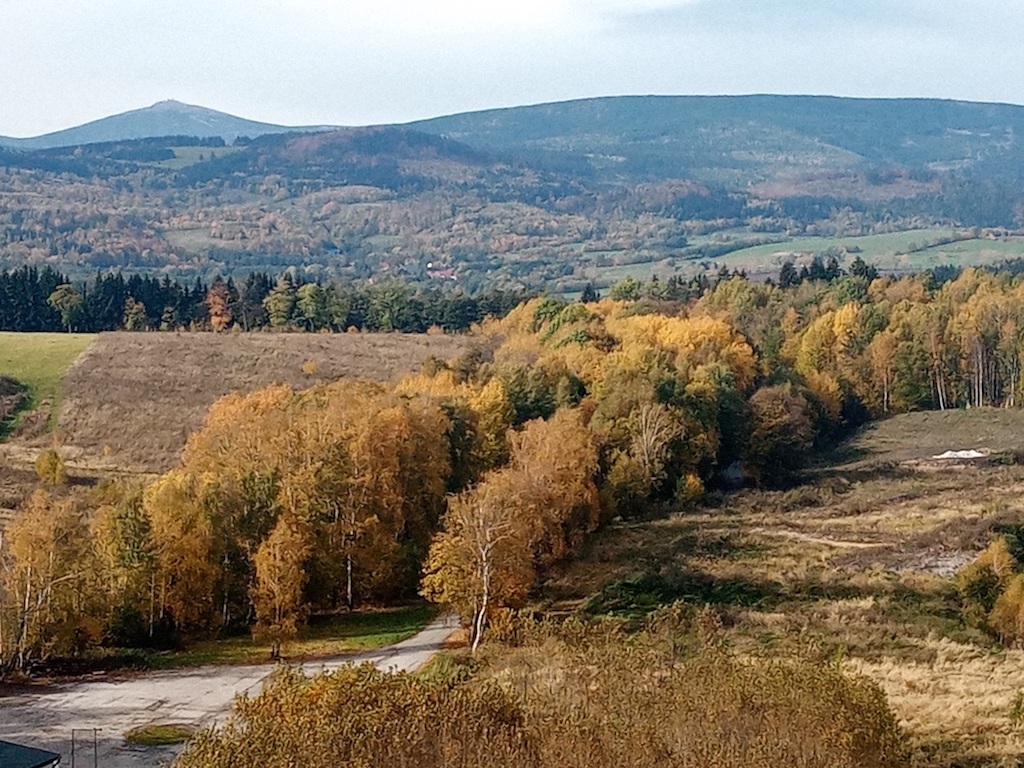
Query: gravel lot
x,y
199,696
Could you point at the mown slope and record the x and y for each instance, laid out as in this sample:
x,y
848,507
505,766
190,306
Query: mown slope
x,y
39,361
132,399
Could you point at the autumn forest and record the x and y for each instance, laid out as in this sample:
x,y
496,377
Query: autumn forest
x,y
471,480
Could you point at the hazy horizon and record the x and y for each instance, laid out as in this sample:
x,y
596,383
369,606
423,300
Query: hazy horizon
x,y
324,62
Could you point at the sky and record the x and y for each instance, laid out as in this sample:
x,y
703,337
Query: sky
x,y
342,62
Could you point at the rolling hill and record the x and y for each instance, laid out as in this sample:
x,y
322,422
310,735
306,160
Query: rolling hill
x,y
552,196
722,139
165,118
735,139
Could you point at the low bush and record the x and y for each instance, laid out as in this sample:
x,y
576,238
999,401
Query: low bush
x,y
591,697
982,582
50,467
1007,616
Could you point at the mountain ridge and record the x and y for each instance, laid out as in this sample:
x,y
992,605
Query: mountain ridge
x,y
491,128
684,135
555,196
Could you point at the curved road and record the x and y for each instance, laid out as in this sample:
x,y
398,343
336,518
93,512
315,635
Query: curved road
x,y
199,696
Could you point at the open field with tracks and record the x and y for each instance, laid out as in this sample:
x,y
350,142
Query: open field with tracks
x,y
900,252
856,565
903,252
130,400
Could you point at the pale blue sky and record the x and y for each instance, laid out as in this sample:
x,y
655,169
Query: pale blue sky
x,y
63,62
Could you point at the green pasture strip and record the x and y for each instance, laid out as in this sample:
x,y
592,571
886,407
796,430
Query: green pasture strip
x,y
40,360
323,637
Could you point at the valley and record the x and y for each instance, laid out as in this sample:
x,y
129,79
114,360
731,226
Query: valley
x,y
673,406
552,197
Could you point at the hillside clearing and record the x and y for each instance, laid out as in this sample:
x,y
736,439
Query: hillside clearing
x,y
133,398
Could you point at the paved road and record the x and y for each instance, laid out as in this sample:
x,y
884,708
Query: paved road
x,y
199,696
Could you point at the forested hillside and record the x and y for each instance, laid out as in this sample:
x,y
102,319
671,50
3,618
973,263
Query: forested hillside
x,y
551,197
723,139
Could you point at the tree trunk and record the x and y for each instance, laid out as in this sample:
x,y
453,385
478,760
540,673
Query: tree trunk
x,y
23,630
152,603
349,598
481,617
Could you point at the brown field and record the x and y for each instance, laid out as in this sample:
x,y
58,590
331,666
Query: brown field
x,y
856,564
131,399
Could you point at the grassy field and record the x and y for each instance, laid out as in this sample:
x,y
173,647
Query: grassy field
x,y
324,637
856,565
40,361
606,276
892,252
132,400
880,250
186,156
159,735
973,252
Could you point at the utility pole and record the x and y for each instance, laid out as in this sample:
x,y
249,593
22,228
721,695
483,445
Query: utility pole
x,y
95,745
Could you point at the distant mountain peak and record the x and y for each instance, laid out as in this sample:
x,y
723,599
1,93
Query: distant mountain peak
x,y
169,117
173,104
180,107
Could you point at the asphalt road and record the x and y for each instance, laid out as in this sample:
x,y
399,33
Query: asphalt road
x,y
199,696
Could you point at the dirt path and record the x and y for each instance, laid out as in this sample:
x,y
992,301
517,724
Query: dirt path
x,y
809,539
199,696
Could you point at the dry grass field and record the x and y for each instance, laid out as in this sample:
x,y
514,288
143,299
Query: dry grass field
x,y
131,399
855,565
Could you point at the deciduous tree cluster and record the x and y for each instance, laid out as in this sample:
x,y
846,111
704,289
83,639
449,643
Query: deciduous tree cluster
x,y
482,473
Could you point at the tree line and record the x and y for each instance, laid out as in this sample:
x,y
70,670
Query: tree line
x,y
470,480
45,300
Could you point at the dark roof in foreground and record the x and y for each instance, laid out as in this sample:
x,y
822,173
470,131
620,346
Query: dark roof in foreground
x,y
17,756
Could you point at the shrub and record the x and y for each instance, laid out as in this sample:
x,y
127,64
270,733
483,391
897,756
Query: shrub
x,y
580,696
358,716
1007,616
50,467
782,433
981,583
